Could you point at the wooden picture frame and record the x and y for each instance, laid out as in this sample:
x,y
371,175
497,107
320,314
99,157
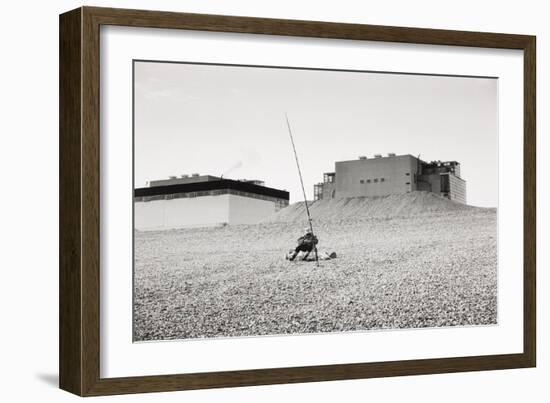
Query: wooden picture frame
x,y
79,280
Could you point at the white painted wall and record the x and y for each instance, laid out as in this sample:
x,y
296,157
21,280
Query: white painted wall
x,y
29,287
204,211
180,213
246,210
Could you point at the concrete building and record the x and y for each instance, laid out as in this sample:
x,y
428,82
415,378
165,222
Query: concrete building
x,y
394,174
202,201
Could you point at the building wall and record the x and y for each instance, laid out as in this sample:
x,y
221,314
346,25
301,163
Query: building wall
x,y
245,210
203,211
329,190
445,184
376,176
180,213
458,189
430,183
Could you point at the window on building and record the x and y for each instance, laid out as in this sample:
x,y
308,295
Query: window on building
x,y
328,178
368,180
375,180
361,181
408,174
407,183
382,179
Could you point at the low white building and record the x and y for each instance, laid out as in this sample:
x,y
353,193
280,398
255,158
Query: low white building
x,y
202,201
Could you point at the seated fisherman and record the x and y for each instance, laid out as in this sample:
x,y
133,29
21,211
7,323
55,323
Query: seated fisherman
x,y
306,243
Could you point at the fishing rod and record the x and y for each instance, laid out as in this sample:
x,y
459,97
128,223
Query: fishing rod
x,y
303,189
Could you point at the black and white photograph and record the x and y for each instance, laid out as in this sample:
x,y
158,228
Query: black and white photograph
x,y
273,200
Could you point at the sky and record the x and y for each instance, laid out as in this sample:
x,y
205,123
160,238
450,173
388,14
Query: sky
x,y
219,119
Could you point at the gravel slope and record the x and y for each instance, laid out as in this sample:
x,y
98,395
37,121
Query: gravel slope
x,y
420,268
403,205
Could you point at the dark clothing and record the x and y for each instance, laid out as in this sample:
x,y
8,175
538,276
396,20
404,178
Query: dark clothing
x,y
306,244
303,248
308,241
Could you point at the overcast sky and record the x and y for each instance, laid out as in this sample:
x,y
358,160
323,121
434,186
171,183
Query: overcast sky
x,y
224,119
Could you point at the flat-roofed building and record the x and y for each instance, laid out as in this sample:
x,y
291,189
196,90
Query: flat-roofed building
x,y
393,174
203,201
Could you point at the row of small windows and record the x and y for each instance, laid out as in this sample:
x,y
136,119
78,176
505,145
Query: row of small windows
x,y
375,180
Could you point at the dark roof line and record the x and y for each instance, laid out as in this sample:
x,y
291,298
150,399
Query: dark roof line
x,y
211,185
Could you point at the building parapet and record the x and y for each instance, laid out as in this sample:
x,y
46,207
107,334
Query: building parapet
x,y
212,185
218,192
